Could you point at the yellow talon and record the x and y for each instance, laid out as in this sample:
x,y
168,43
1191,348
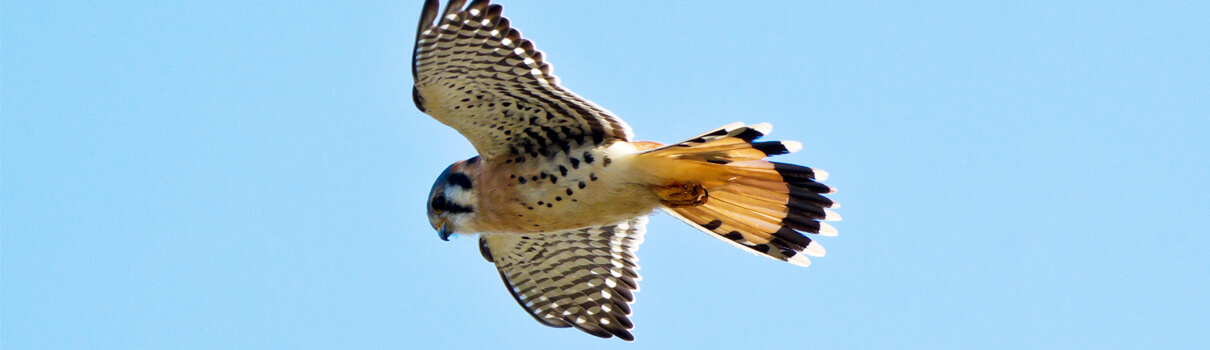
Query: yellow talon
x,y
682,195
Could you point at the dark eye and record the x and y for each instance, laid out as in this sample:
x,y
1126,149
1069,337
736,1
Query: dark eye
x,y
438,203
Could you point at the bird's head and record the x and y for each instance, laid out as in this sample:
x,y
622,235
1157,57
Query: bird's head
x,y
452,201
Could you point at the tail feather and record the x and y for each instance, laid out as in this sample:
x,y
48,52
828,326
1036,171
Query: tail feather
x,y
728,144
762,207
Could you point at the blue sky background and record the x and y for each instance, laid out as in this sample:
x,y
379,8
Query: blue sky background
x,y
217,174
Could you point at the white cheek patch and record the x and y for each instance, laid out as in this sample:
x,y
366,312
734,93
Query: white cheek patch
x,y
462,197
458,195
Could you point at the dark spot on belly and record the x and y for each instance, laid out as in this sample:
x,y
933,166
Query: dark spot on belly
x,y
582,184
575,163
521,179
592,176
563,170
557,198
606,161
588,157
542,175
569,192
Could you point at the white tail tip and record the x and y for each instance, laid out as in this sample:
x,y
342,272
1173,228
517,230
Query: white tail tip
x,y
764,128
800,260
814,249
794,146
733,126
827,230
820,175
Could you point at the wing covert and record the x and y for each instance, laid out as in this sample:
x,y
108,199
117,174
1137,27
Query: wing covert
x,y
475,73
582,278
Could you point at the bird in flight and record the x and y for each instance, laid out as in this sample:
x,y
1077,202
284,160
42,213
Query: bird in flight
x,y
560,191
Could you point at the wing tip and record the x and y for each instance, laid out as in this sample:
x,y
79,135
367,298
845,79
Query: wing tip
x,y
428,13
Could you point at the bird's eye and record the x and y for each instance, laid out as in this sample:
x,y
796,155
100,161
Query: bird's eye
x,y
438,204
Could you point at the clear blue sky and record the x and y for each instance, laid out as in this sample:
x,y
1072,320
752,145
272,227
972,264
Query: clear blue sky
x,y
217,174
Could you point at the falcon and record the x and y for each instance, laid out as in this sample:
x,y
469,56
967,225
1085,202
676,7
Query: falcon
x,y
560,191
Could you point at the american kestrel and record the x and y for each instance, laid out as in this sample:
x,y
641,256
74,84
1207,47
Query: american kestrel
x,y
559,193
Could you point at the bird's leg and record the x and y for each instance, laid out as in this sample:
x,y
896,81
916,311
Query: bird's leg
x,y
679,195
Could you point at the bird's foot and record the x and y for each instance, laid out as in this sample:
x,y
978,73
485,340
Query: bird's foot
x,y
681,195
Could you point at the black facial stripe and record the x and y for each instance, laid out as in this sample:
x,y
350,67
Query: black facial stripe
x,y
457,209
460,180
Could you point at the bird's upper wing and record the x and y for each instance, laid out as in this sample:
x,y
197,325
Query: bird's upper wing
x,y
477,74
581,278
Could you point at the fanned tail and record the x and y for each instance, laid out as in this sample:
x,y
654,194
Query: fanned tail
x,y
763,207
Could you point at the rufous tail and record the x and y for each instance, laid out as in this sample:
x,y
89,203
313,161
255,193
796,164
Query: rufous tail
x,y
764,207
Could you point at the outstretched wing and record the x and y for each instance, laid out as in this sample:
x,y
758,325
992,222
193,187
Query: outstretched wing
x,y
477,74
581,278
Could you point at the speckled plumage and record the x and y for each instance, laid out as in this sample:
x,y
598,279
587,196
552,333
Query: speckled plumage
x,y
594,269
560,192
554,193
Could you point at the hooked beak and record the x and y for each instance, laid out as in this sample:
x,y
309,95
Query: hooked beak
x,y
444,231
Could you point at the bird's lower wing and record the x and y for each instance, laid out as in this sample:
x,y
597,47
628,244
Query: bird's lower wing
x,y
581,278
